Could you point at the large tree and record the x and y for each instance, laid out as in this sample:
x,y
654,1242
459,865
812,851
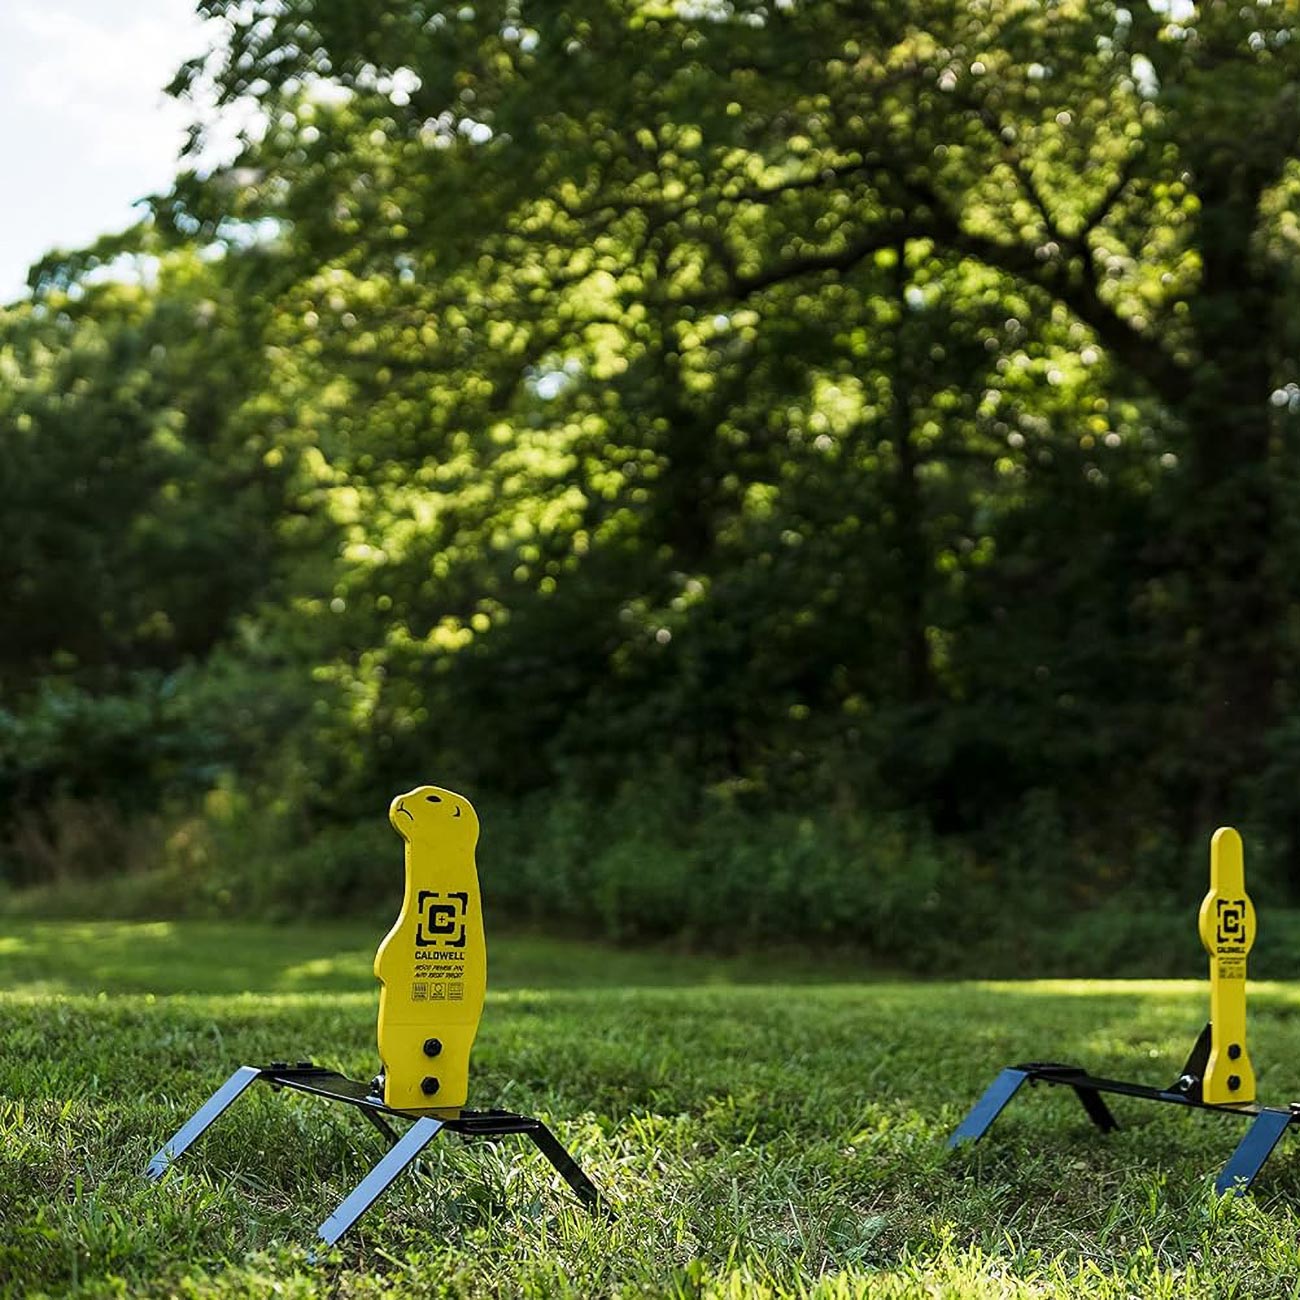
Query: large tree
x,y
809,374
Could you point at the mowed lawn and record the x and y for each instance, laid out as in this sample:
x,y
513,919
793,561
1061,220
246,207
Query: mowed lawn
x,y
768,1126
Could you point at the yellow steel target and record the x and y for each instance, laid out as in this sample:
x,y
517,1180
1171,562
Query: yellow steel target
x,y
1227,926
433,963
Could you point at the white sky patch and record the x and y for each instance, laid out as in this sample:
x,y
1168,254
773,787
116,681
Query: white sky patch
x,y
1144,76
86,74
85,129
1177,11
550,385
327,92
477,132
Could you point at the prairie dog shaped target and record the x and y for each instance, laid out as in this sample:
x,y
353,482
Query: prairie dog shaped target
x,y
432,964
1227,925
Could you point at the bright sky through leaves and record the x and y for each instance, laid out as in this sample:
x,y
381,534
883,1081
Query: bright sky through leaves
x,y
86,129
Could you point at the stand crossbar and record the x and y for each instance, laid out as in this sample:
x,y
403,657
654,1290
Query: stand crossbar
x,y
1266,1129
403,1150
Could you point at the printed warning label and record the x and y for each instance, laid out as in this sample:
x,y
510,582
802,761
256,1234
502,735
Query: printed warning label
x,y
439,974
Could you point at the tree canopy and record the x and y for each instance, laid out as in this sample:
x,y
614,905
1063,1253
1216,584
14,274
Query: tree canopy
x,y
890,405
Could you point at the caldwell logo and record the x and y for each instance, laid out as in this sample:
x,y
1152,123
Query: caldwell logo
x,y
1231,919
441,921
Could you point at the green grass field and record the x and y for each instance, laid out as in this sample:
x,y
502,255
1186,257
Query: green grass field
x,y
764,1127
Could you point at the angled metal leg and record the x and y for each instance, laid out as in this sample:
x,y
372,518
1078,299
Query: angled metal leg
x,y
567,1167
989,1107
386,1130
1097,1109
1256,1147
373,1185
202,1119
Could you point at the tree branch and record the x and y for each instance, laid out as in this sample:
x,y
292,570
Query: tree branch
x,y
823,176
1110,198
1139,352
841,259
1011,155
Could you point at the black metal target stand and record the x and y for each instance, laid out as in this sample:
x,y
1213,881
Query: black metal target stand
x,y
404,1149
1264,1133
1218,1076
432,969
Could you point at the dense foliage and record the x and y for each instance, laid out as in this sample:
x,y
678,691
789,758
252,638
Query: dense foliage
x,y
885,409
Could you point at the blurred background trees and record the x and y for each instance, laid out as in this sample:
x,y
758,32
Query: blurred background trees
x,y
715,411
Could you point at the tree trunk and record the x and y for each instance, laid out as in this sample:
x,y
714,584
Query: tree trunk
x,y
909,545
1229,509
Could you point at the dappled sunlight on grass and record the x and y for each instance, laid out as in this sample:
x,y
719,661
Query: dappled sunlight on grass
x,y
1138,1030
758,1123
195,957
328,971
1093,988
163,957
